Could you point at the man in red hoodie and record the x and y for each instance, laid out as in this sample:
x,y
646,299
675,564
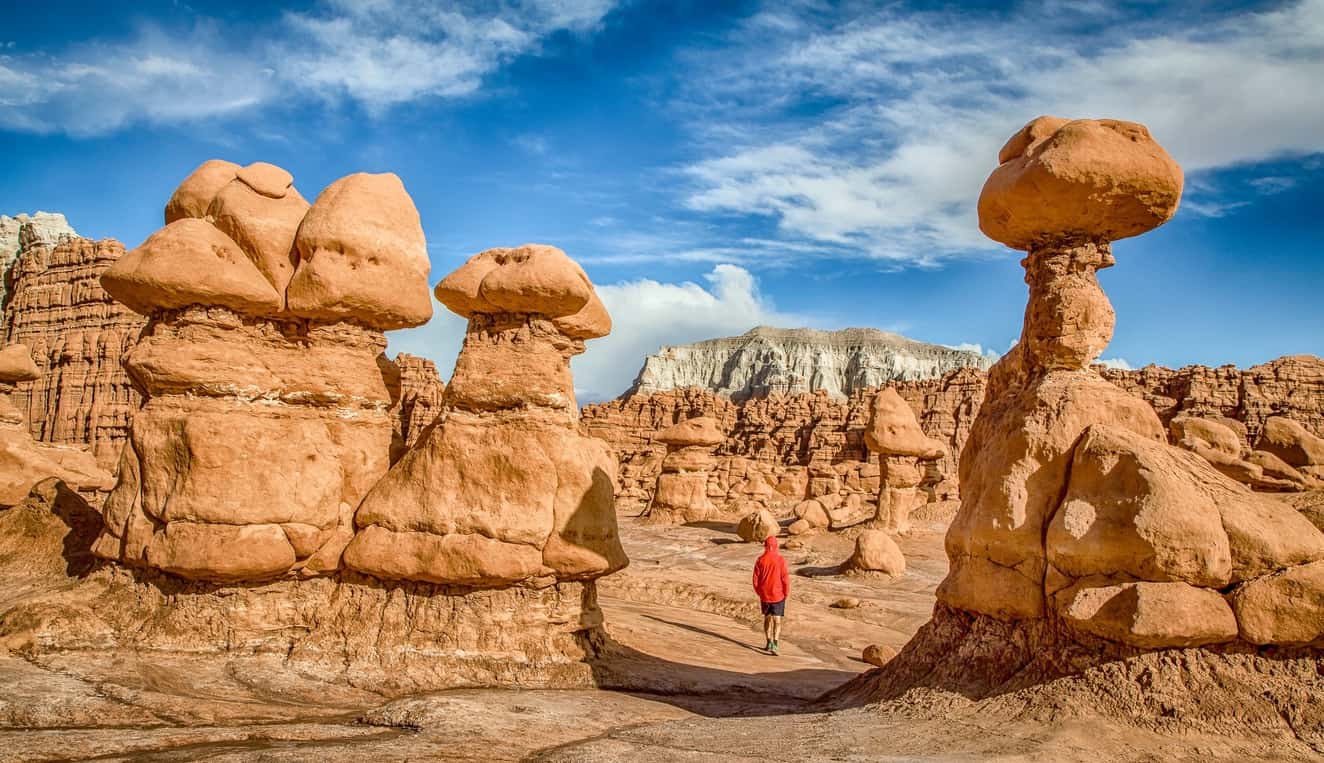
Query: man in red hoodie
x,y
772,583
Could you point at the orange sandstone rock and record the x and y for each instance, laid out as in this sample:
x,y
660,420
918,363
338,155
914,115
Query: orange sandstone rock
x,y
502,489
1086,179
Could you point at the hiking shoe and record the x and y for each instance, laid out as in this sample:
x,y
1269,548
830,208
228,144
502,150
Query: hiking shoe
x,y
773,648
768,647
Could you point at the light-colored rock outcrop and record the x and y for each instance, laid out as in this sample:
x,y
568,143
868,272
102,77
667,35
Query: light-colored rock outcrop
x,y
77,333
502,489
766,361
261,432
757,526
42,229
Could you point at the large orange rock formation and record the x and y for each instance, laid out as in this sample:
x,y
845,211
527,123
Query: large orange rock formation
x,y
266,415
503,489
1074,507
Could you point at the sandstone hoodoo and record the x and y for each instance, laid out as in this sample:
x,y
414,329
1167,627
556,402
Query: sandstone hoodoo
x,y
1083,536
503,491
23,461
681,494
266,417
894,434
767,361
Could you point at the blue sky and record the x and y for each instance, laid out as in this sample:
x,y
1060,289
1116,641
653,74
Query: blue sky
x,y
714,165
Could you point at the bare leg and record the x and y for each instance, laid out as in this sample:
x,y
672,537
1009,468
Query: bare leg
x,y
776,629
767,626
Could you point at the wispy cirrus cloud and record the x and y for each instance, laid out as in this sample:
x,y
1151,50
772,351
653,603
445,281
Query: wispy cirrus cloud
x,y
376,53
874,129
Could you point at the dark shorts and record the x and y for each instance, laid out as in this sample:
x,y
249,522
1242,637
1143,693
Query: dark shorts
x,y
776,608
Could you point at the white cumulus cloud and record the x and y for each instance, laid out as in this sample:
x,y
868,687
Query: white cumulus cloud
x,y
921,102
646,315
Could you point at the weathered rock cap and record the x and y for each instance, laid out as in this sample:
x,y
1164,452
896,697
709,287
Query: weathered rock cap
x,y
16,364
267,179
190,262
533,279
893,430
1092,179
362,256
195,194
702,430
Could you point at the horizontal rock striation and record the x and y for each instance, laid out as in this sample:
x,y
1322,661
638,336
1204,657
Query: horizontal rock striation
x,y
78,334
767,361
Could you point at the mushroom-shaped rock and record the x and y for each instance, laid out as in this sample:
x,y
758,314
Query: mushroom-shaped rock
x,y
532,279
16,365
894,431
1091,179
362,256
503,489
702,430
876,552
190,262
262,223
194,195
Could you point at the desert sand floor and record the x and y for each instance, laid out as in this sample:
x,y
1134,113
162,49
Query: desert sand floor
x,y
690,682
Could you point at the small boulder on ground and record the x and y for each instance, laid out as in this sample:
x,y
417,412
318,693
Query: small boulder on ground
x,y
878,655
755,526
875,551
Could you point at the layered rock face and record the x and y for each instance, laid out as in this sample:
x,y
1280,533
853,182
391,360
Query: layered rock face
x,y
77,333
503,490
1291,386
419,398
1074,508
25,462
43,229
266,419
786,448
767,361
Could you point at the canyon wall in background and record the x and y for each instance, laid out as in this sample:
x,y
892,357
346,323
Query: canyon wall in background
x,y
782,441
766,361
77,333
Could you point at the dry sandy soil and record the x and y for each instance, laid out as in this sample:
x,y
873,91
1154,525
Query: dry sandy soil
x,y
689,682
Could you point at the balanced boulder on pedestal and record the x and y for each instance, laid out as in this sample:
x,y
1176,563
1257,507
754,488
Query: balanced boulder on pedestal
x,y
503,490
1074,507
24,462
265,420
682,487
894,434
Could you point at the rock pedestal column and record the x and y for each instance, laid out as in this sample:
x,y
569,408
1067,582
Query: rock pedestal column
x,y
503,493
1075,510
681,494
265,421
894,434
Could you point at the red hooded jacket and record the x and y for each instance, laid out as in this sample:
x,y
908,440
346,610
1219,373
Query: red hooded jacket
x,y
772,582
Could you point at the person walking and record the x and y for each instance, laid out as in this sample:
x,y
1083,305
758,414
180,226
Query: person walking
x,y
772,583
